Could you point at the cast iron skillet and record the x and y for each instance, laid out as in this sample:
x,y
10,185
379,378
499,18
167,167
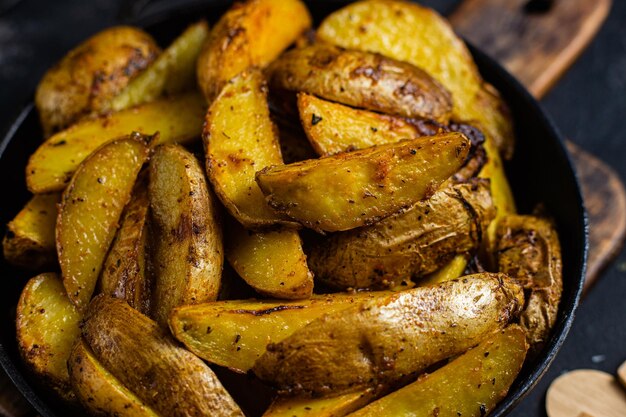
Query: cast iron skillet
x,y
541,171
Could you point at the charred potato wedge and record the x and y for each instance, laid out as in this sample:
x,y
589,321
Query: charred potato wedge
x,y
91,74
349,190
47,327
51,167
90,210
389,338
471,385
338,406
29,241
362,79
188,254
137,352
409,244
250,34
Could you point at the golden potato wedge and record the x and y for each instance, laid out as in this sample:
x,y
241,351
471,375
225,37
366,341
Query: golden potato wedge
x,y
452,270
47,327
362,79
349,190
188,253
471,385
272,262
338,406
90,210
386,339
251,34
235,333
29,241
99,391
143,357
173,72
177,119
409,244
528,248
125,273
91,74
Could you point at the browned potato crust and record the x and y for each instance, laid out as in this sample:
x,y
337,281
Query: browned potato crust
x,y
389,338
362,79
91,74
408,244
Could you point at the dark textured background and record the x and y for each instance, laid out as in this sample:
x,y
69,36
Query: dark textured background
x,y
588,104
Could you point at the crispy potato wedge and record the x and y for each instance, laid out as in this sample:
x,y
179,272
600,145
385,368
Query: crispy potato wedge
x,y
349,190
452,270
90,210
167,378
362,79
29,241
125,273
250,34
188,254
99,391
338,406
471,385
47,327
173,72
91,74
409,244
389,338
178,119
235,333
528,249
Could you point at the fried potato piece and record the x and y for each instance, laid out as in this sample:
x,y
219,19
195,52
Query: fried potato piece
x,y
47,327
99,391
51,166
452,270
188,254
91,74
29,241
250,34
235,333
528,248
471,385
362,79
338,406
409,244
125,273
349,190
173,72
167,378
389,338
90,210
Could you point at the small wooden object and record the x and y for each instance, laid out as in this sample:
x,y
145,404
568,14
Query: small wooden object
x,y
621,374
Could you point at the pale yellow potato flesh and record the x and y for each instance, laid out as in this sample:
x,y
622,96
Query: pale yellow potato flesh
x,y
90,210
349,190
337,406
452,270
177,119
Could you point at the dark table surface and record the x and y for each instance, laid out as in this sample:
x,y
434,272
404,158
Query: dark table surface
x,y
588,104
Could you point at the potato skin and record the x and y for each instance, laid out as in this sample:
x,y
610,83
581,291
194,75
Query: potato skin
x,y
362,79
409,244
91,74
339,406
389,338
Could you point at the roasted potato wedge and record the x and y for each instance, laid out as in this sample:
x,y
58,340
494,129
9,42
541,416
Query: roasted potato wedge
x,y
349,190
250,34
409,244
528,249
389,338
29,241
177,119
188,254
167,378
47,327
235,333
126,273
90,210
337,406
173,72
471,385
452,270
91,74
99,391
362,79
